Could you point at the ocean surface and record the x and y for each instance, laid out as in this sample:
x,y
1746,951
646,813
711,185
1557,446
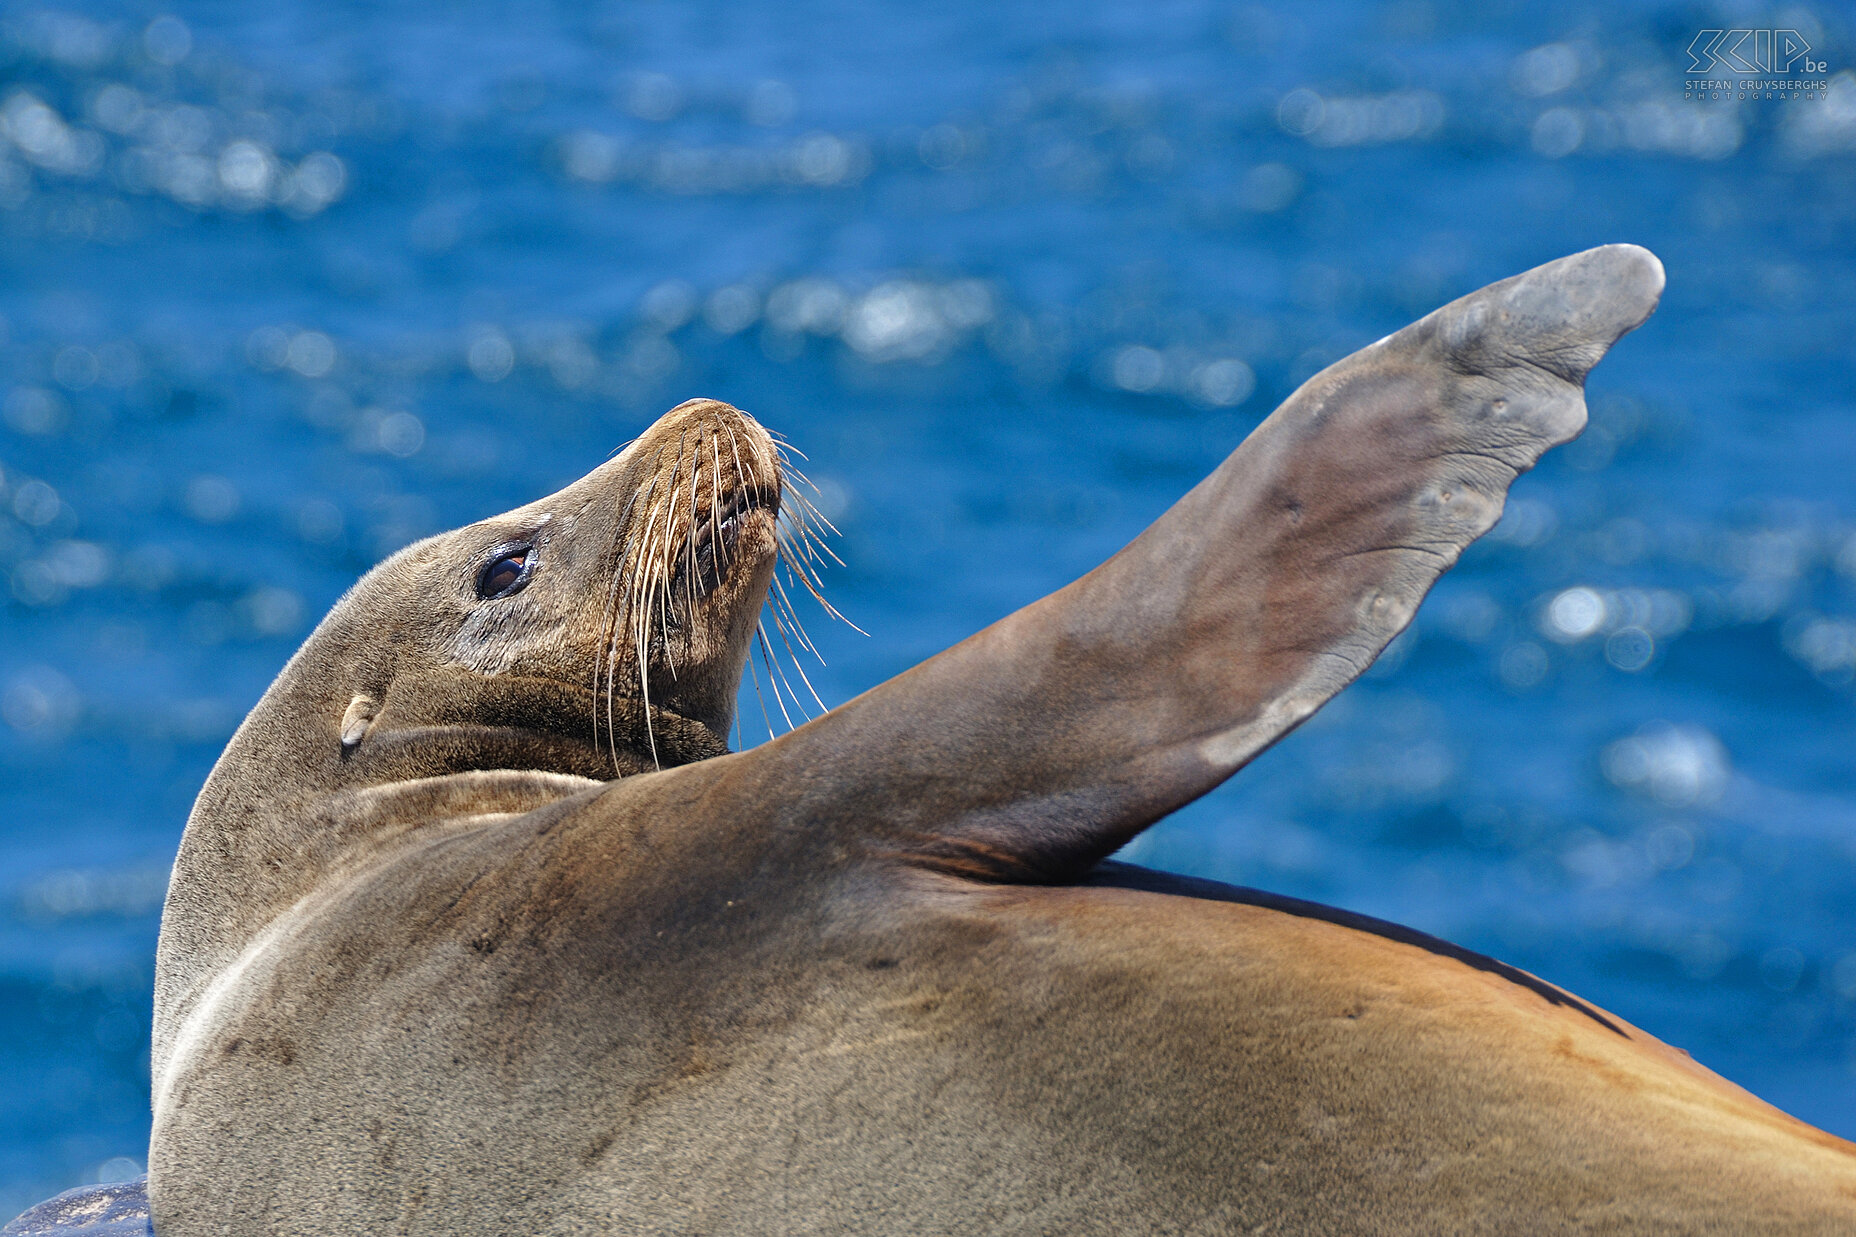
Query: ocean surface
x,y
284,287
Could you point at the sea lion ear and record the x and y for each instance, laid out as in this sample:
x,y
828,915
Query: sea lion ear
x,y
1066,728
356,719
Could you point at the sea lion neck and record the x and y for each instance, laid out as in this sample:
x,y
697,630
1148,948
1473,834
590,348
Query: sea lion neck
x,y
454,721
597,633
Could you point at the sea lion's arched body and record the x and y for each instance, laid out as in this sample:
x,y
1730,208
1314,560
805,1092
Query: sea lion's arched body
x,y
427,967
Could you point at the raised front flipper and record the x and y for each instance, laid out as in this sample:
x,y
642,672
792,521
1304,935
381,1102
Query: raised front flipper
x,y
1036,747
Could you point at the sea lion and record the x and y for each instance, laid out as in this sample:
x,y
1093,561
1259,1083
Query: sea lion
x,y
477,929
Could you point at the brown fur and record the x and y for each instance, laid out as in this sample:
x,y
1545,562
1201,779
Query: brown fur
x,y
870,978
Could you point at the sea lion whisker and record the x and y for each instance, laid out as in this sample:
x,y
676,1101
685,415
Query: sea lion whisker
x,y
800,546
638,623
652,610
658,600
742,475
773,669
640,615
785,604
814,586
647,565
799,480
784,453
785,608
799,536
634,593
798,563
816,589
805,517
623,620
787,628
753,472
644,679
619,601
759,460
812,512
771,686
792,470
793,656
670,546
793,559
793,521
688,548
651,578
734,449
719,547
806,512
606,665
761,701
689,535
660,589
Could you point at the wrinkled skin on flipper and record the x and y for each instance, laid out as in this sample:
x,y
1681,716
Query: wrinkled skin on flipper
x,y
869,978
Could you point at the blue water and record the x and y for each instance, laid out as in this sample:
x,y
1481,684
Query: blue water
x,y
286,286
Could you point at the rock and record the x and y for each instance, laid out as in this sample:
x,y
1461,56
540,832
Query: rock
x,y
119,1209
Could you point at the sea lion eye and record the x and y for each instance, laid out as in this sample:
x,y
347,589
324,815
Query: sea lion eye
x,y
506,574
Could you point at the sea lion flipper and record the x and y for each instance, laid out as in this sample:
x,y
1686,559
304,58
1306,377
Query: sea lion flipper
x,y
1035,748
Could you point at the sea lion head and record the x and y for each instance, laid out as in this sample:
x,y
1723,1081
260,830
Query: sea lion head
x,y
598,632
648,572
601,630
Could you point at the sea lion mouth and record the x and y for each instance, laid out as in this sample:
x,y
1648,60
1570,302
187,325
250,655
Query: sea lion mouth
x,y
710,551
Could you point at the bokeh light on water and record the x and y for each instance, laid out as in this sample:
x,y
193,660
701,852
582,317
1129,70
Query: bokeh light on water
x,y
288,287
